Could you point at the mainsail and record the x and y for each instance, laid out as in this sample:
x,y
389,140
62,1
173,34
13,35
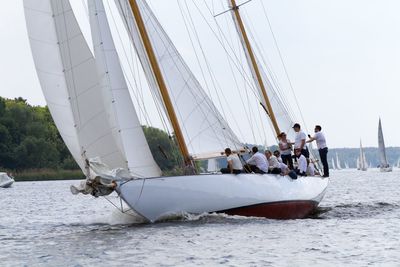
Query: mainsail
x,y
205,132
381,145
81,106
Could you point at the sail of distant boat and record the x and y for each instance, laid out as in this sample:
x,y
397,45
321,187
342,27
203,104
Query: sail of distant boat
x,y
362,163
383,164
338,165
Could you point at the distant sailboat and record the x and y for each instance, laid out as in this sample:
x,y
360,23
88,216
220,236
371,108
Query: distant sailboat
x,y
361,160
338,165
346,165
333,164
383,164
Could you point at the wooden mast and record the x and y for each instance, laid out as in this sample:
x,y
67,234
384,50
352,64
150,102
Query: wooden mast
x,y
268,108
160,81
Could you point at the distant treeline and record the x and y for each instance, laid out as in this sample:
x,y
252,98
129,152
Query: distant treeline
x,y
29,140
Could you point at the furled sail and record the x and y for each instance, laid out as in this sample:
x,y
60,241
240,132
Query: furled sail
x,y
205,131
124,122
69,79
381,145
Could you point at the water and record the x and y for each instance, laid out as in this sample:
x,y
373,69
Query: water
x,y
43,224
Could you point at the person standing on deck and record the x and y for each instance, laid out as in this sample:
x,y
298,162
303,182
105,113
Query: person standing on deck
x,y
234,164
258,162
285,148
300,140
319,137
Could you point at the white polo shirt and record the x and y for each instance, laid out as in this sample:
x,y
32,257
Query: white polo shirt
x,y
259,160
320,139
234,159
299,136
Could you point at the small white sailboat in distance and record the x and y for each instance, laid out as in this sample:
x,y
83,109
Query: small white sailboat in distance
x,y
362,163
333,164
383,164
338,165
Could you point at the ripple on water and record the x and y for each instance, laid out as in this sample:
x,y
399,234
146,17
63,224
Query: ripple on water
x,y
356,224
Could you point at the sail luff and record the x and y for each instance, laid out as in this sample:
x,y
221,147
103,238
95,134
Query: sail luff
x,y
123,118
160,81
253,64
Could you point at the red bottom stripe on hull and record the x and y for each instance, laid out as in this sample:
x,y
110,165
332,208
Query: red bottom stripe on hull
x,y
284,210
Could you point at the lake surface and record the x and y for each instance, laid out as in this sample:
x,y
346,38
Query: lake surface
x,y
43,224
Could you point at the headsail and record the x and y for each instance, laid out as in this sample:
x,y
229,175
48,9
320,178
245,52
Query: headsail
x,y
123,119
70,82
205,131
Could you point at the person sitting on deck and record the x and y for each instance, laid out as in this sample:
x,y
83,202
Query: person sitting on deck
x,y
234,164
258,162
301,163
277,154
310,168
273,163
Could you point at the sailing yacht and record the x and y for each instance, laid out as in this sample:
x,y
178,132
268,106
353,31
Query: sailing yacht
x,y
362,163
89,100
383,164
338,165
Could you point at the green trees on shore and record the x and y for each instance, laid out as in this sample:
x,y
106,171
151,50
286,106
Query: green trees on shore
x,y
29,140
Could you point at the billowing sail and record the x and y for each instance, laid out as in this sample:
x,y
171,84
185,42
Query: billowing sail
x,y
70,82
205,131
381,145
123,119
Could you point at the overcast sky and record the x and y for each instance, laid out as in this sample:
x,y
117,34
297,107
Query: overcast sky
x,y
343,58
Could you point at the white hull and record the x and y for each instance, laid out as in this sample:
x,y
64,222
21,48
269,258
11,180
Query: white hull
x,y
387,169
6,184
267,195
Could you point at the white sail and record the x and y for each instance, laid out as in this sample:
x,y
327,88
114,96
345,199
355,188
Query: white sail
x,y
363,164
205,131
212,165
338,165
123,119
70,82
333,164
381,147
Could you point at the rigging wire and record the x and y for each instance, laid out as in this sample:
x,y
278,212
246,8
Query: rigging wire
x,y
212,75
283,63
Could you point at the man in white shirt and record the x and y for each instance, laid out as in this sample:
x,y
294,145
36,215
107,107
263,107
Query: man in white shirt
x,y
274,166
258,162
319,137
302,163
300,140
234,164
